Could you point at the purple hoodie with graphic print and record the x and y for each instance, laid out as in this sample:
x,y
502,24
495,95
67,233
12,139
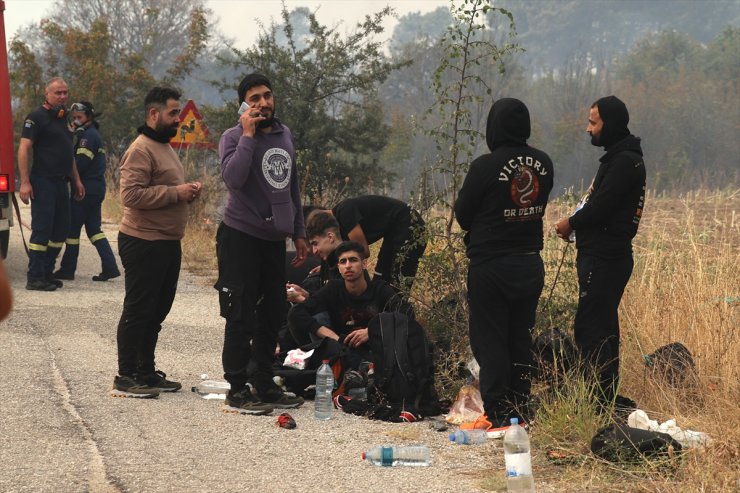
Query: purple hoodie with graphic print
x,y
260,174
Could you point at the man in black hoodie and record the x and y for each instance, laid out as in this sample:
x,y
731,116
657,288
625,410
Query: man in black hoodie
x,y
605,226
501,205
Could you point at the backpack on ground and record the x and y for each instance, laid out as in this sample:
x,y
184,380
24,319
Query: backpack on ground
x,y
619,443
403,361
555,354
673,363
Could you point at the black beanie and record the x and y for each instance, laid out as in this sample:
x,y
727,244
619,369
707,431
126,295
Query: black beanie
x,y
616,117
250,81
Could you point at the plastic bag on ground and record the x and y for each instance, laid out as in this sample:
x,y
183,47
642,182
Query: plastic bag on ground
x,y
296,358
468,406
687,438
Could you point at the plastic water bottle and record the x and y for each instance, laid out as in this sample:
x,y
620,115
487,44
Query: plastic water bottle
x,y
469,437
212,389
409,455
368,369
323,405
518,459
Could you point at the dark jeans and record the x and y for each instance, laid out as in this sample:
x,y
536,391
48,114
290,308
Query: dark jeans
x,y
152,269
251,286
401,250
49,223
601,285
503,293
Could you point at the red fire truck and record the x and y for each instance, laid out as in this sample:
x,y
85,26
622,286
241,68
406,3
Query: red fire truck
x,y
7,163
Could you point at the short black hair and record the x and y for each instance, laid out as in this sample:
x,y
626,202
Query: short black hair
x,y
350,246
250,81
319,222
158,96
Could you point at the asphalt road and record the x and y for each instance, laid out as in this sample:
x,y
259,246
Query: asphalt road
x,y
60,430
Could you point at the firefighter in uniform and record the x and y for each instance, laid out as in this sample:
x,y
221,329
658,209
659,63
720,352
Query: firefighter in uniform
x,y
46,132
90,159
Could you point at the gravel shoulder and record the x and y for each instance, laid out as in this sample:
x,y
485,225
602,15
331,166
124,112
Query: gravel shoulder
x,y
61,431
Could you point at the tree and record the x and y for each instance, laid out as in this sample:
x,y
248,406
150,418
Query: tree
x,y
167,34
89,51
325,88
677,91
554,31
462,85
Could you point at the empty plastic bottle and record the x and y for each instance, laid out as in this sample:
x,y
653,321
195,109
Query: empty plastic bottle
x,y
368,370
409,455
323,405
212,389
518,459
469,437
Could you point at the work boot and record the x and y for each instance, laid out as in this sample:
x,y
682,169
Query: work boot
x,y
41,285
105,275
64,276
54,281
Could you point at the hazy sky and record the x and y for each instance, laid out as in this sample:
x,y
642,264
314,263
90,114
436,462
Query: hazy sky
x,y
235,15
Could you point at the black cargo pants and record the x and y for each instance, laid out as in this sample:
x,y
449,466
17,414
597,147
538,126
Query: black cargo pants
x,y
251,290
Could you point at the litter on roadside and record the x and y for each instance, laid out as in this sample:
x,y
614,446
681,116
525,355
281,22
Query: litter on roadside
x,y
687,438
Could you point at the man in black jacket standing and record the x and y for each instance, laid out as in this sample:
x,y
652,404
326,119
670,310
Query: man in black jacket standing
x,y
501,206
604,227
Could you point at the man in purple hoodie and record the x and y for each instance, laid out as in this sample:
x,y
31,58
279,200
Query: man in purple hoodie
x,y
263,207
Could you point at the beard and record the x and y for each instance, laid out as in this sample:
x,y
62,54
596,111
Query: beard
x,y
596,140
167,130
268,121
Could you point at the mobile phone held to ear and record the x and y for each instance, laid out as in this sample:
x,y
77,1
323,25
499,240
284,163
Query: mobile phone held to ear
x,y
244,107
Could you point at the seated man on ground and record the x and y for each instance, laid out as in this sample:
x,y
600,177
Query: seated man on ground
x,y
322,232
350,304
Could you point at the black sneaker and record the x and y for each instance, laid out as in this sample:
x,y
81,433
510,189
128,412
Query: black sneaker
x,y
277,398
124,386
159,381
64,276
41,285
244,402
105,275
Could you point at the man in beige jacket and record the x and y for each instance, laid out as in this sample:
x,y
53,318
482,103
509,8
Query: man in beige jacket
x,y
155,199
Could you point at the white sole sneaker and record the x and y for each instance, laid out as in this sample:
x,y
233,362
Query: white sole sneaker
x,y
500,432
122,393
240,410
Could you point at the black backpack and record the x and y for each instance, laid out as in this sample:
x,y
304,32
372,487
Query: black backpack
x,y
673,363
555,354
403,360
618,443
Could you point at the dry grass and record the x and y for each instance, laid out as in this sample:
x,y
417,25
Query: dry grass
x,y
685,287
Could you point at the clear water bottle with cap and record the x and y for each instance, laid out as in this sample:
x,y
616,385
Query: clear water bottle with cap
x,y
409,455
212,389
469,437
323,405
518,459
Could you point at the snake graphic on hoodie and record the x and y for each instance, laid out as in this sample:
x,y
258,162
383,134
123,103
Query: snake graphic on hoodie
x,y
504,195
